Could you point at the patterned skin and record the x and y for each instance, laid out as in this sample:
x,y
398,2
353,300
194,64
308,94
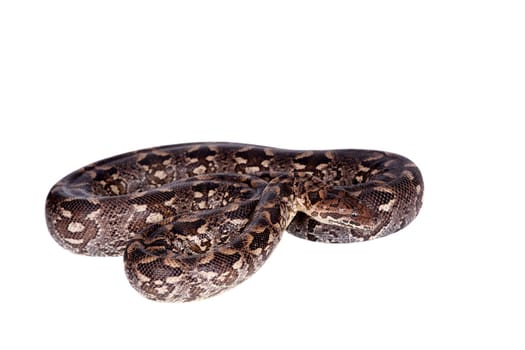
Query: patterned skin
x,y
193,220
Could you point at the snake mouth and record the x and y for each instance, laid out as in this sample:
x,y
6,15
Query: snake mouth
x,y
343,220
344,210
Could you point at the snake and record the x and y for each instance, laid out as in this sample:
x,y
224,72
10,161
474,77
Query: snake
x,y
193,220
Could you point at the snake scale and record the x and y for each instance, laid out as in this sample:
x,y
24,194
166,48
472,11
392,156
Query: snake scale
x,y
193,220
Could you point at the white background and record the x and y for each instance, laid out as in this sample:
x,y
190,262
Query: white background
x,y
441,82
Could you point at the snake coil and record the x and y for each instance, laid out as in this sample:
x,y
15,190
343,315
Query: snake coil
x,y
195,219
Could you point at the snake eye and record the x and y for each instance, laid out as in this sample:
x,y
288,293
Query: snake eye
x,y
354,214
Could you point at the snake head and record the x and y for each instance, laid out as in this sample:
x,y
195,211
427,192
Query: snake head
x,y
341,208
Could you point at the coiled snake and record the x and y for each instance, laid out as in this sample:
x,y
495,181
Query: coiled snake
x,y
195,219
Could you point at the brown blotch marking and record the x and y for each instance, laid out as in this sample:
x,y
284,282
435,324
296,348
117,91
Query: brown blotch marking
x,y
304,155
314,197
221,262
158,270
374,156
269,152
312,161
202,153
152,159
273,215
242,242
329,154
80,205
260,240
254,157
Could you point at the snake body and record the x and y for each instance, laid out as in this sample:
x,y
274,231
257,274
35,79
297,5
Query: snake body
x,y
193,220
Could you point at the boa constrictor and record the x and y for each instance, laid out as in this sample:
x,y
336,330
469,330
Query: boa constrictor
x,y
195,219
